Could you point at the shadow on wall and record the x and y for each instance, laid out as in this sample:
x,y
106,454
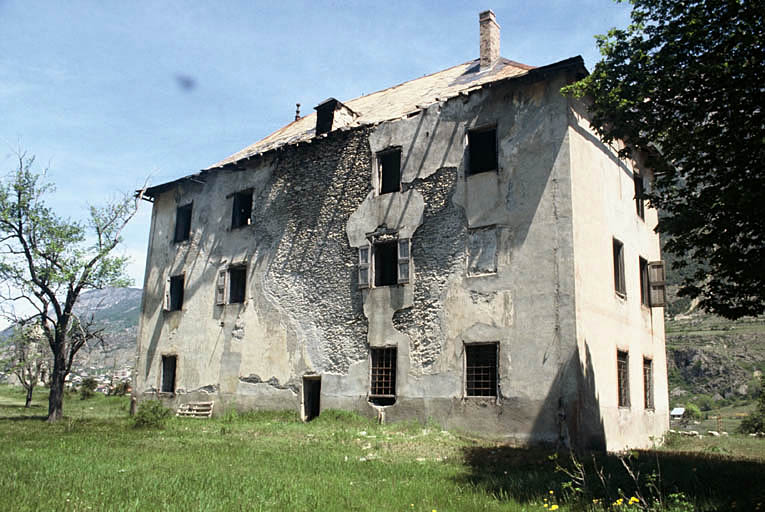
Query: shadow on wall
x,y
571,408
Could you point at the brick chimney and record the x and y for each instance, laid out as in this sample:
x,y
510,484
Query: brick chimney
x,y
489,39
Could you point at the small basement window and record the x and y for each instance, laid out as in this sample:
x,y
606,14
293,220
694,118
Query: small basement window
x,y
623,378
382,388
481,369
168,374
182,223
237,284
389,163
241,214
174,295
648,383
482,150
619,283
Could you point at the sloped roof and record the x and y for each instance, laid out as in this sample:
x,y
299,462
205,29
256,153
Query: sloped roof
x,y
392,103
389,104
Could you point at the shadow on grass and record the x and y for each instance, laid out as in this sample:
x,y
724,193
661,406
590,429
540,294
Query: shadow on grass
x,y
20,407
710,481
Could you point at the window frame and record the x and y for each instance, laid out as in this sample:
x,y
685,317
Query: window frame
x,y
637,179
238,219
648,391
172,303
163,368
645,282
620,283
381,158
367,262
494,371
623,378
473,144
237,267
186,210
383,356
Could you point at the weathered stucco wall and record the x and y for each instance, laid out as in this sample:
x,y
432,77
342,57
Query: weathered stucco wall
x,y
604,208
315,205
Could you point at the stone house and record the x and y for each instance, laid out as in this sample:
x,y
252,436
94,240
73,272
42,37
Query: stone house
x,y
460,247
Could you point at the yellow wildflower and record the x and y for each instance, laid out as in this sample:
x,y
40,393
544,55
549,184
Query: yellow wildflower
x,y
552,492
554,507
634,500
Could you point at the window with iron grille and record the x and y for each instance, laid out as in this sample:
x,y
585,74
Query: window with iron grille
x,y
481,370
382,389
622,378
648,383
619,282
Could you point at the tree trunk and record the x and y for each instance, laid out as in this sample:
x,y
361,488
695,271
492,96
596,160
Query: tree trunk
x,y
57,377
29,396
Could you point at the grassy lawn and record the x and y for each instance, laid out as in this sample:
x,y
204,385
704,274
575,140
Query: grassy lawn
x,y
95,460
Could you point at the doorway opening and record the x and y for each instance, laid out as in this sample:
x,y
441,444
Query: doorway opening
x,y
311,397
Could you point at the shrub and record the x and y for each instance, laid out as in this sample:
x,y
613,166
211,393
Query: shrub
x,y
755,422
87,388
120,389
151,414
692,411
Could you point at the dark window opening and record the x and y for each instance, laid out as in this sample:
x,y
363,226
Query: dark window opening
x,y
182,223
241,214
168,374
645,290
237,279
390,171
623,378
176,293
648,383
482,150
382,390
481,370
619,282
311,397
325,114
386,263
639,195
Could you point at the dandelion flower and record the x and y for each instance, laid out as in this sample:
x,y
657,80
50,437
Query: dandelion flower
x,y
554,507
552,492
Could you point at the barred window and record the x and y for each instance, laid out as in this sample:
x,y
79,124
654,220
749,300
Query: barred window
x,y
623,378
481,370
382,389
648,383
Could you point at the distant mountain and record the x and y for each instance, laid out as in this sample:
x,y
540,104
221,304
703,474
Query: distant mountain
x,y
116,311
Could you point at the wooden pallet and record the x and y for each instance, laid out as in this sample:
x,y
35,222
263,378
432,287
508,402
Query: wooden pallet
x,y
196,410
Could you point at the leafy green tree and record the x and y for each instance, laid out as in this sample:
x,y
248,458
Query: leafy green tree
x,y
48,260
682,86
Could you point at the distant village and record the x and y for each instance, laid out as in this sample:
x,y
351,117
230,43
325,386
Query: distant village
x,y
107,379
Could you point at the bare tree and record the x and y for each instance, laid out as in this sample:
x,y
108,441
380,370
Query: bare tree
x,y
48,260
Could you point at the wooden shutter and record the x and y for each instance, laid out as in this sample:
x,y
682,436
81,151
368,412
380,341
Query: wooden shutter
x,y
166,305
220,287
364,266
404,255
657,280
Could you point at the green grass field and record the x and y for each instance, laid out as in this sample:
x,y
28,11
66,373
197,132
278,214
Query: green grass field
x,y
95,460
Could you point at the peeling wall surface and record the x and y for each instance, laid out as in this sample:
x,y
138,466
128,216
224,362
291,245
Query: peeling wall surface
x,y
492,260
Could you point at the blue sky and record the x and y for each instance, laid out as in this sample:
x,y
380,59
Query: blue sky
x,y
108,94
